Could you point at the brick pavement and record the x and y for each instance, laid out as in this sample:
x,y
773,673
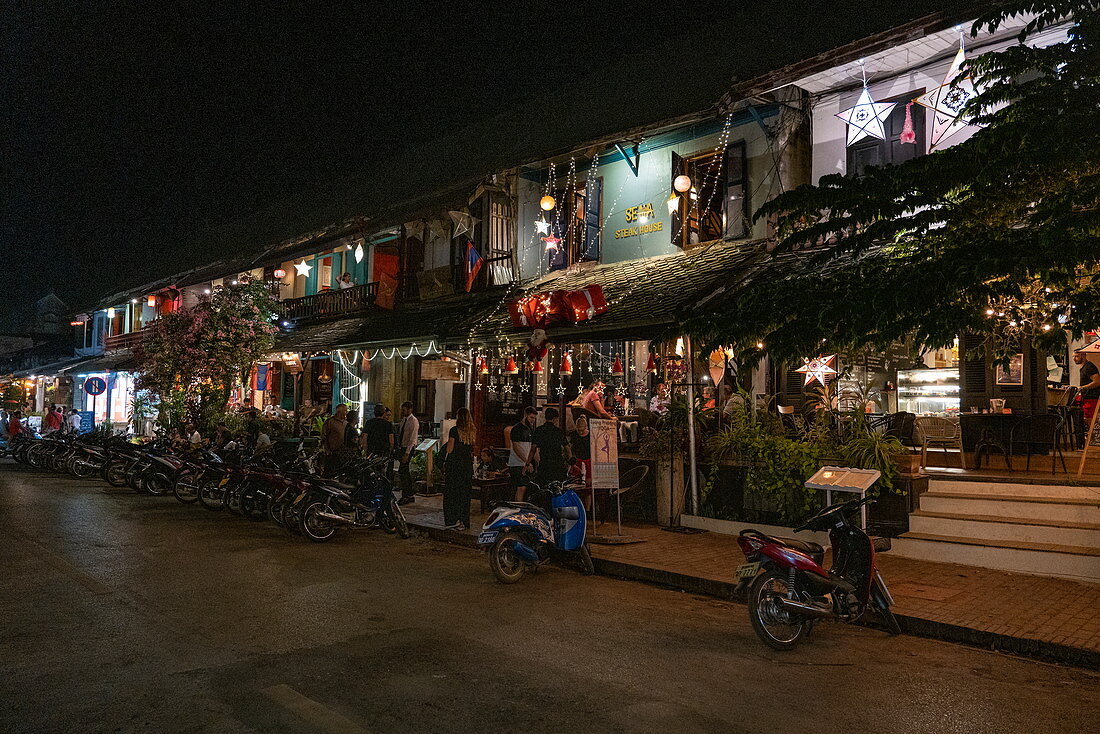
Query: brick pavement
x,y
1034,608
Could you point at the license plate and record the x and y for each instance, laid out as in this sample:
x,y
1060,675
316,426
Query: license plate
x,y
747,570
487,537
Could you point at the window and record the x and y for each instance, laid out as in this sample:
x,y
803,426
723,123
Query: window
x,y
494,238
324,274
717,205
580,235
874,152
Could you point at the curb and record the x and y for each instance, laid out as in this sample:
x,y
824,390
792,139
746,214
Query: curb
x,y
917,627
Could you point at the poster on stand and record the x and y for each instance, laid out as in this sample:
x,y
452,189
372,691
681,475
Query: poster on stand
x,y
605,454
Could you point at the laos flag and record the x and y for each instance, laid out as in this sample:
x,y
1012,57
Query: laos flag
x,y
474,261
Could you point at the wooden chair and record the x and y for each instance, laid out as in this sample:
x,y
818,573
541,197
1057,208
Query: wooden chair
x,y
933,431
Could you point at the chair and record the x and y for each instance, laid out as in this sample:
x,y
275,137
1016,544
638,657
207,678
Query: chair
x,y
901,425
631,484
1039,431
938,432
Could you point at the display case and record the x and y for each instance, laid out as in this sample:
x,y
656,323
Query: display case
x,y
929,391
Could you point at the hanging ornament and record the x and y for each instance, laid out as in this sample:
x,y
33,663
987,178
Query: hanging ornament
x,y
617,368
360,253
279,273
463,223
682,183
560,391
151,301
536,367
542,226
947,100
566,368
673,204
621,390
483,366
547,203
817,369
303,268
478,386
511,368
506,389
908,134
651,365
716,365
552,242
524,387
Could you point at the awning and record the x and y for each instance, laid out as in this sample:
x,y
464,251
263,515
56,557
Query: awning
x,y
102,363
49,369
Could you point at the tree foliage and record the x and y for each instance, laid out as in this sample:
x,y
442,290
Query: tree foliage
x,y
197,355
998,235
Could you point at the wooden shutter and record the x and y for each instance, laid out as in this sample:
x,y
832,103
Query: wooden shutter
x,y
874,152
679,166
737,205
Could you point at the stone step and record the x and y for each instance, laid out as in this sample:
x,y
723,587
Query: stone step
x,y
1045,559
1020,507
996,528
1006,489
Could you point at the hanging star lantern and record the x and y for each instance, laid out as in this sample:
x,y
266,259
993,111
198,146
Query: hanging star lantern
x,y
947,101
303,268
464,223
560,391
818,368
478,386
542,226
551,242
866,118
621,389
524,387
507,389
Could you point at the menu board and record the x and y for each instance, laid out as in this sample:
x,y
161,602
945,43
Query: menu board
x,y
605,453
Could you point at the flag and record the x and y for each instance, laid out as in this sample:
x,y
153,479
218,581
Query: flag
x,y
474,261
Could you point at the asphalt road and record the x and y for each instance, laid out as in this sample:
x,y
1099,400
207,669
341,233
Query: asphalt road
x,y
128,613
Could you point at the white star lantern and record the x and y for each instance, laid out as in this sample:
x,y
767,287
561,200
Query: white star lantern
x,y
947,100
866,117
817,369
542,226
560,391
464,223
303,267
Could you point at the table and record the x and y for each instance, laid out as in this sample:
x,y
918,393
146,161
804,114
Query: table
x,y
493,489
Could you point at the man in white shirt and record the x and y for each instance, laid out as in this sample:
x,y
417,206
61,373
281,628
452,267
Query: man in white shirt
x,y
408,435
74,421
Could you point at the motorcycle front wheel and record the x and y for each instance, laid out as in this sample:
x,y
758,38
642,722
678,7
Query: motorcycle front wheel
x,y
507,565
774,625
211,495
114,473
186,487
315,527
157,484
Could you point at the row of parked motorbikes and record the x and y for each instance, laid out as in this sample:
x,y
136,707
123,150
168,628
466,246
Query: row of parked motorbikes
x,y
282,487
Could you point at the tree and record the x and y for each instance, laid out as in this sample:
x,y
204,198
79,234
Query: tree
x,y
195,356
998,235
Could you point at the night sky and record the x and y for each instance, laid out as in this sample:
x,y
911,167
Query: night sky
x,y
136,133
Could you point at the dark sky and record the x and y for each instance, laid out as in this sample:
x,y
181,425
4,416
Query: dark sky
x,y
131,129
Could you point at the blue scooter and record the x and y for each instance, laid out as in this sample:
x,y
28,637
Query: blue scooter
x,y
521,535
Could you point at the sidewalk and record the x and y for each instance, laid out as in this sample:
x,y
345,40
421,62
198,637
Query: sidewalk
x,y
1053,619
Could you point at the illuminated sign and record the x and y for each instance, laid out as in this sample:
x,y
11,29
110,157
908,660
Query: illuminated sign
x,y
641,217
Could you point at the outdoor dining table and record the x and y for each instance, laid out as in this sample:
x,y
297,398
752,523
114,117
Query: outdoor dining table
x,y
491,490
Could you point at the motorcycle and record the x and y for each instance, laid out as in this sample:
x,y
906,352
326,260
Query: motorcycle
x,y
325,505
520,535
789,590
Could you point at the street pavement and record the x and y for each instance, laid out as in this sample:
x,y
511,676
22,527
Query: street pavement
x,y
127,613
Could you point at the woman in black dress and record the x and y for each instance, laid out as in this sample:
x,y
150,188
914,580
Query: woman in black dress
x,y
459,472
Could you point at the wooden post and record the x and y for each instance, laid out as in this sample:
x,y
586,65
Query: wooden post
x,y
1091,440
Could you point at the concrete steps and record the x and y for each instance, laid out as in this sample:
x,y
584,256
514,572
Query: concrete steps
x,y
1041,528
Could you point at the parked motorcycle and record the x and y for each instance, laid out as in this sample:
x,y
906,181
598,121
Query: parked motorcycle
x,y
327,505
789,590
520,536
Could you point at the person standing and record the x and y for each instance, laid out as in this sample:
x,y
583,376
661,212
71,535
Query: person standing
x,y
458,476
580,448
332,438
517,439
377,438
75,421
548,442
1089,392
351,433
407,436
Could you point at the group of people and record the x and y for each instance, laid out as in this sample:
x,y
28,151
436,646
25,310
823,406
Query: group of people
x,y
342,439
253,436
57,419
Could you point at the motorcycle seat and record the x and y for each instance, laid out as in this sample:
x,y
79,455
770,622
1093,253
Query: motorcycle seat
x,y
814,550
521,506
339,485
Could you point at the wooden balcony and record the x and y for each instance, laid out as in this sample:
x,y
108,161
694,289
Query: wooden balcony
x,y
119,342
335,302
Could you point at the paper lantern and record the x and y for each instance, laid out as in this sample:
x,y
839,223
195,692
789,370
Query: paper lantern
x,y
818,369
536,367
511,368
151,301
359,253
566,365
547,203
651,365
617,368
111,313
279,273
673,203
682,183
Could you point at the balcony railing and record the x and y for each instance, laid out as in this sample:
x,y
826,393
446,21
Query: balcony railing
x,y
329,303
119,342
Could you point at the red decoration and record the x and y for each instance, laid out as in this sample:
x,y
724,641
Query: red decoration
x,y
483,366
537,367
279,273
651,365
511,368
908,134
566,365
617,368
554,307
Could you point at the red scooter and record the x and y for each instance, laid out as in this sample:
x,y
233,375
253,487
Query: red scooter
x,y
788,590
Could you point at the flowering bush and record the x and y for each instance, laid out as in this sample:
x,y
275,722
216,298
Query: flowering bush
x,y
202,352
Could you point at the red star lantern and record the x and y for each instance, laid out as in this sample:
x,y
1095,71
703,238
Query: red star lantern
x,y
511,368
617,368
566,365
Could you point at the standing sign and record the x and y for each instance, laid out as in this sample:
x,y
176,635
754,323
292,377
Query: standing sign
x,y
95,386
1092,441
605,454
87,420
